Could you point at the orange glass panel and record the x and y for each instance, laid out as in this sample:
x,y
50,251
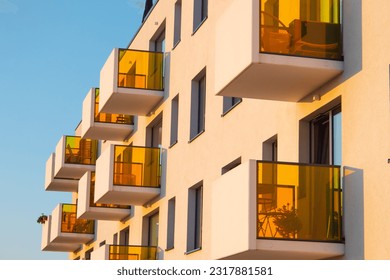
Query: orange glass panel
x,y
137,166
298,201
110,118
140,69
308,28
80,151
70,224
122,252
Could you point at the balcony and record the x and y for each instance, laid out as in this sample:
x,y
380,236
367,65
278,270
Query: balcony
x,y
87,209
64,232
103,126
55,183
127,175
47,245
74,157
280,52
280,211
131,82
125,252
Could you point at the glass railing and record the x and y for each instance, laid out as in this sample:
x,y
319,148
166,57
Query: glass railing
x,y
80,151
123,252
140,69
104,205
301,28
136,166
110,118
298,201
70,224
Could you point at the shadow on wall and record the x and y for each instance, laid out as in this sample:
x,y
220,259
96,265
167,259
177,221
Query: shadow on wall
x,y
352,46
353,201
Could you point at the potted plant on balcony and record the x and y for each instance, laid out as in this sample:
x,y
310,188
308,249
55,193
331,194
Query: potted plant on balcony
x,y
42,219
287,221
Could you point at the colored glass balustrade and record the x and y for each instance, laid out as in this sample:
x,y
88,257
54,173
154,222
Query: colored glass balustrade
x,y
80,151
110,118
301,28
298,201
137,166
70,224
92,194
122,252
140,69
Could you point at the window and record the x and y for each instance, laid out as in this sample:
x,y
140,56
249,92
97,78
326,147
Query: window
x,y
231,165
200,13
157,42
88,254
326,138
153,229
154,133
198,105
124,236
115,239
229,103
177,24
270,149
320,135
194,219
174,120
171,223
148,7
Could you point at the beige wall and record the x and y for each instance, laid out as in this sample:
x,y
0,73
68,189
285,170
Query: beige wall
x,y
363,89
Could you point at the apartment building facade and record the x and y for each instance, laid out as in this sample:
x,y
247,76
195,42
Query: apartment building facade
x,y
255,129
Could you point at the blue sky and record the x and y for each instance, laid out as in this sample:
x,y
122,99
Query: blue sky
x,y
51,53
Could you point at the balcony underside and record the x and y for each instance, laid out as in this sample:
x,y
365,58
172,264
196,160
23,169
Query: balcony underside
x,y
75,238
131,101
74,171
60,247
282,78
108,131
291,250
128,195
62,185
104,213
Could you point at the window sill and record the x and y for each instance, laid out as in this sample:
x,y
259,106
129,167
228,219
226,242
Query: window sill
x,y
192,251
230,109
173,144
196,136
199,25
175,44
169,249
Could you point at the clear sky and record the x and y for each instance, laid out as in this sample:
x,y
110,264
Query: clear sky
x,y
51,53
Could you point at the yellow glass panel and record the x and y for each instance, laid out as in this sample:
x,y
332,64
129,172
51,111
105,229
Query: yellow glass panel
x,y
140,69
92,194
137,166
297,201
70,224
122,252
80,151
110,118
308,28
